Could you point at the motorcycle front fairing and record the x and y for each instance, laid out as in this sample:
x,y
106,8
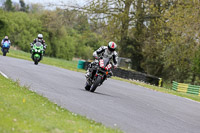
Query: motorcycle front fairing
x,y
37,51
5,45
38,48
104,68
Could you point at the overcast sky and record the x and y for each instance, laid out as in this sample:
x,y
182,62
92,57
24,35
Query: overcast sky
x,y
58,2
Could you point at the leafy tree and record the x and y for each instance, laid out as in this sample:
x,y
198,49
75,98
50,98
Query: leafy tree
x,y
172,37
8,5
124,21
24,8
184,40
36,8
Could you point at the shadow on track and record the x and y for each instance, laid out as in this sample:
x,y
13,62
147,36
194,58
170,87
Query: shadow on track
x,y
98,93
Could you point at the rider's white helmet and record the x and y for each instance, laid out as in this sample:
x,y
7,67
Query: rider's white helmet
x,y
6,37
112,46
40,36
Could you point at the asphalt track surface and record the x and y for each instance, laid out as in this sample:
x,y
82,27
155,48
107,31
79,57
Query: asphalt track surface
x,y
116,104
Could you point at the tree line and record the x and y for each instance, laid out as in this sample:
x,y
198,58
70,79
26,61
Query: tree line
x,y
160,36
67,32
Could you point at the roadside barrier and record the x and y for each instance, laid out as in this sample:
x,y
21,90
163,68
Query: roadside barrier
x,y
133,75
81,64
187,88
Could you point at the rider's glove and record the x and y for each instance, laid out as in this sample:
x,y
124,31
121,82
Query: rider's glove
x,y
96,57
45,46
115,66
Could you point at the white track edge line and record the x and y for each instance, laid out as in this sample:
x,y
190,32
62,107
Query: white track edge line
x,y
3,75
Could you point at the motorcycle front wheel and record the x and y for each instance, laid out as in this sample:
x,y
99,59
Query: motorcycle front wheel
x,y
87,87
36,61
96,83
5,52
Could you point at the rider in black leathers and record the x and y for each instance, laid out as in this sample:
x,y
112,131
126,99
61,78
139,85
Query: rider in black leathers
x,y
39,39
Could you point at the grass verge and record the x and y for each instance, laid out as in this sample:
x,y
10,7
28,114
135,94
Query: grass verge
x,y
70,65
22,110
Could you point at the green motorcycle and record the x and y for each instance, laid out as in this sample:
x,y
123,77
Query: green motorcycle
x,y
37,52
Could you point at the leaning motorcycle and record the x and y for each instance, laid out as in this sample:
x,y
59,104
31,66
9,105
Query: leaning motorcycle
x,y
100,71
37,52
5,47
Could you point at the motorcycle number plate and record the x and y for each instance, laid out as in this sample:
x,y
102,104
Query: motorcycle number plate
x,y
101,63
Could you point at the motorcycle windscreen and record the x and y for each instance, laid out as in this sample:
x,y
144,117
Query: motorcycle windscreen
x,y
38,44
106,61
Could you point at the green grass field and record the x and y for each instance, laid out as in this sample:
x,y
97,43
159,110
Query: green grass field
x,y
71,65
23,111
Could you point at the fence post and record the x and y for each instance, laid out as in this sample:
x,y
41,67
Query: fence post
x,y
174,86
160,82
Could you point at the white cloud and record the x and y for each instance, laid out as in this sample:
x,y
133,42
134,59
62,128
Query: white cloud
x,y
52,4
45,2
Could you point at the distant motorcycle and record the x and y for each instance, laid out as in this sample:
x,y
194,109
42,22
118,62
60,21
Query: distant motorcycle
x,y
5,48
101,70
37,52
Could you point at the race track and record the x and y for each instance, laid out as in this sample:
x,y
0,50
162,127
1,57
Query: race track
x,y
116,104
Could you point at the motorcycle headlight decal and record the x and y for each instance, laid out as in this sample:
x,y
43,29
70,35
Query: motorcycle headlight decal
x,y
108,67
